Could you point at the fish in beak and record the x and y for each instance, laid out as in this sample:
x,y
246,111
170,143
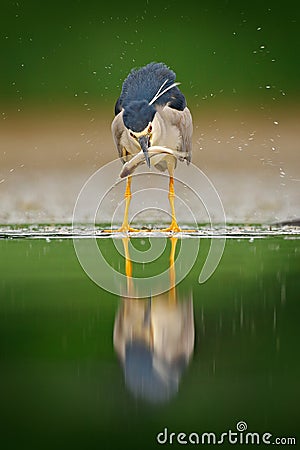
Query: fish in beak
x,y
144,142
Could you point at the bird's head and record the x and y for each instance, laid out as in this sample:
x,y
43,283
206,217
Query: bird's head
x,y
137,118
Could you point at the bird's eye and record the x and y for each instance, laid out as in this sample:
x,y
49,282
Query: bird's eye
x,y
132,135
150,129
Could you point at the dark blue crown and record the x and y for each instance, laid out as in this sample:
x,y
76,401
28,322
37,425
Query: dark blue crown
x,y
137,114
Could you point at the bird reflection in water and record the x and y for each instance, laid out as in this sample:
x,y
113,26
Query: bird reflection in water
x,y
154,337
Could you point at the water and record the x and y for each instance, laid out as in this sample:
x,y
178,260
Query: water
x,y
82,368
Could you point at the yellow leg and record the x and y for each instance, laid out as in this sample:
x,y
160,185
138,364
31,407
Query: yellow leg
x,y
125,225
174,226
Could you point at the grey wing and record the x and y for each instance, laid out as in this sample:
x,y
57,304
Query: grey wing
x,y
183,121
118,129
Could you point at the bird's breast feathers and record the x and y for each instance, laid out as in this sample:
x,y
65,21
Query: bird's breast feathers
x,y
170,128
165,131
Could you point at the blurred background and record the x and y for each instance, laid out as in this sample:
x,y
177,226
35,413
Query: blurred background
x,y
63,64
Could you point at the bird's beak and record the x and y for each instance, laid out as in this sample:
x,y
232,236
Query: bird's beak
x,y
144,143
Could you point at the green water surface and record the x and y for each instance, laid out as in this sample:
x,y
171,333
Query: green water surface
x,y
62,384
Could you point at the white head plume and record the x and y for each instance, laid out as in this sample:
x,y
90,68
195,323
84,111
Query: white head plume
x,y
160,92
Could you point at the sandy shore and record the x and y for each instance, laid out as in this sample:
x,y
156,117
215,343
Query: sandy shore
x,y
251,157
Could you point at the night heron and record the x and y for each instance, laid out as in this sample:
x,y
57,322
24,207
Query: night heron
x,y
152,124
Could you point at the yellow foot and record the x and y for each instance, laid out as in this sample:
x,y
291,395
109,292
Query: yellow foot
x,y
173,228
122,229
127,229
